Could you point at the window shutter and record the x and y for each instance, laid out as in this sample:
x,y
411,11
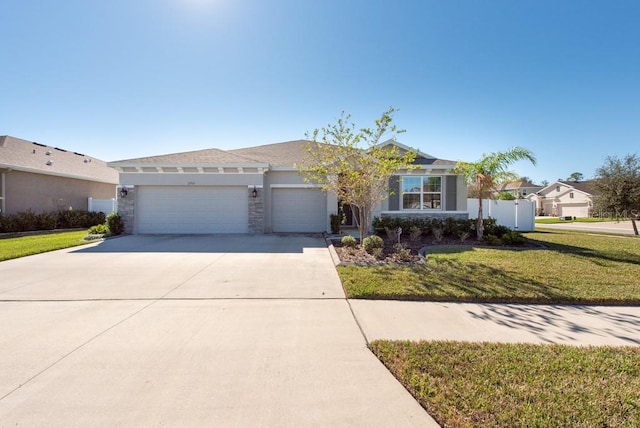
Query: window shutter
x,y
394,198
451,192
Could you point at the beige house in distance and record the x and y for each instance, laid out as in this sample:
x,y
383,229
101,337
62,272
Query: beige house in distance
x,y
564,199
40,178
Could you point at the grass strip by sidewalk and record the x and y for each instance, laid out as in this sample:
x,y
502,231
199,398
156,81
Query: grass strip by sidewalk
x,y
567,267
511,385
13,248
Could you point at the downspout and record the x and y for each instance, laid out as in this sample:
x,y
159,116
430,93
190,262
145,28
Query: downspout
x,y
3,206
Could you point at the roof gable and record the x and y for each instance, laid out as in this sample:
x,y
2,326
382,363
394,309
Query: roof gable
x,y
565,187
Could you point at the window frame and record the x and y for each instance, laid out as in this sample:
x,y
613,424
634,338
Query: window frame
x,y
424,182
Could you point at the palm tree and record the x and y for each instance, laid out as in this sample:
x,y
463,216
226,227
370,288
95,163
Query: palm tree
x,y
485,174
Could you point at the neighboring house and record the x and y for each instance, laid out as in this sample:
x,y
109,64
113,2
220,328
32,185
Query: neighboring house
x,y
519,189
564,199
40,178
259,190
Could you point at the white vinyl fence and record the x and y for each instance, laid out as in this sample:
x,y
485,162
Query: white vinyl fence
x,y
106,206
518,214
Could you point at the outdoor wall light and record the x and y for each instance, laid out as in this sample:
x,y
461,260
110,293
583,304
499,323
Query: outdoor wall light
x,y
254,192
123,192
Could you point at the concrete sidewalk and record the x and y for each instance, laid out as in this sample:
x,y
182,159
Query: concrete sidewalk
x,y
574,325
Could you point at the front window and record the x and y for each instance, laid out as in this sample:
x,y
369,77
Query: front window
x,y
421,193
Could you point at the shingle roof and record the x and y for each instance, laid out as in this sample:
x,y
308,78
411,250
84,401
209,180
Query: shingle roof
x,y
278,155
285,154
206,156
19,154
583,186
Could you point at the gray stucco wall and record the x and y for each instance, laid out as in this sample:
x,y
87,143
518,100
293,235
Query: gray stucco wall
x,y
45,193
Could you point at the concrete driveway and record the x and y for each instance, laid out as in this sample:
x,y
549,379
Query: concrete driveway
x,y
189,331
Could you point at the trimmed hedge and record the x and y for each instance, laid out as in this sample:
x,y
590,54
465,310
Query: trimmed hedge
x,y
28,221
449,226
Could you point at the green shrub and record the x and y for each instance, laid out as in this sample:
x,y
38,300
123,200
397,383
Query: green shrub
x,y
336,220
415,233
26,221
116,226
492,240
392,234
402,253
72,219
99,229
47,221
348,241
6,223
464,235
438,234
370,243
378,253
513,238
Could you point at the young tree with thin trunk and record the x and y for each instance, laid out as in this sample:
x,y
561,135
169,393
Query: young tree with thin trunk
x,y
484,175
354,164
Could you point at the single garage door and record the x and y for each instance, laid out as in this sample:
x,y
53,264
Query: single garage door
x,y
192,209
298,210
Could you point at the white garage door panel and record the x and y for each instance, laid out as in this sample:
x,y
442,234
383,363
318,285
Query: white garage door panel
x,y
190,209
299,210
574,211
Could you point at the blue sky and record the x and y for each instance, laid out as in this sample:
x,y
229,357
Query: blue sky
x,y
129,78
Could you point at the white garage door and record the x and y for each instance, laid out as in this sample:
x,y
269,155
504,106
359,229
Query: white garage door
x,y
192,209
574,211
298,210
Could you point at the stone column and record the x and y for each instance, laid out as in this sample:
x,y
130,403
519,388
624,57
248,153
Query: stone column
x,y
256,211
127,209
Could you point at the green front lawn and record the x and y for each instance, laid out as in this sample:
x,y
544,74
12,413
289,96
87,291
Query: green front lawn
x,y
512,385
12,248
567,267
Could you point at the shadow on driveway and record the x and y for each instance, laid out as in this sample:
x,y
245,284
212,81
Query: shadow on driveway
x,y
218,243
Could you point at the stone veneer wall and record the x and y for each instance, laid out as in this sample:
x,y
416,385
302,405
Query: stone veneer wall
x,y
429,215
127,209
256,211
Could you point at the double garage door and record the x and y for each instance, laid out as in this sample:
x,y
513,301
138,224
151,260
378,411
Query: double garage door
x,y
192,209
225,209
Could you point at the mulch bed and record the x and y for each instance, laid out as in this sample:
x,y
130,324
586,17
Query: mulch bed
x,y
389,253
359,256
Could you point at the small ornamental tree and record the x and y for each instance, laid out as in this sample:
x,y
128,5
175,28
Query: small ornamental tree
x,y
354,165
484,175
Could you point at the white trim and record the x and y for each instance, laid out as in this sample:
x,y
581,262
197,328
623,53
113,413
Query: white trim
x,y
118,165
296,186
